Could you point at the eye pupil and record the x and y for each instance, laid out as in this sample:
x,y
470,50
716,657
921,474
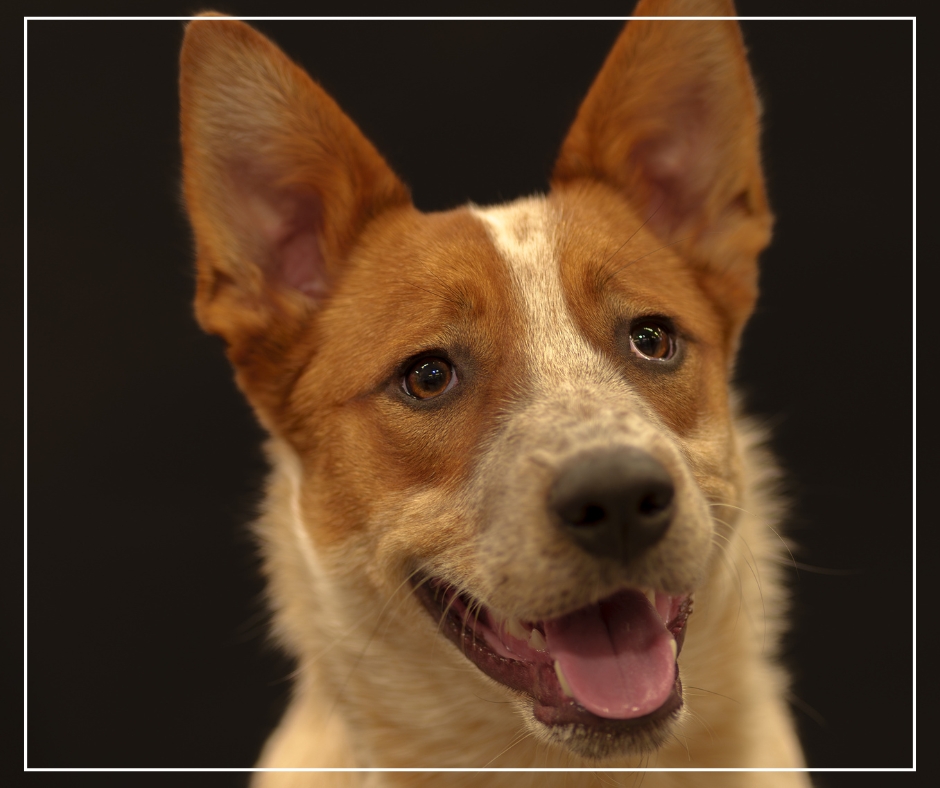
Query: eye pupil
x,y
428,377
431,376
652,341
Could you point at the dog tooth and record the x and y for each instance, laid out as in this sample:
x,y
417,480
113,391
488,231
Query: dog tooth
x,y
514,627
536,640
565,687
651,596
675,648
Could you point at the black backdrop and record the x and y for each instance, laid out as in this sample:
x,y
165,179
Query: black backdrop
x,y
146,631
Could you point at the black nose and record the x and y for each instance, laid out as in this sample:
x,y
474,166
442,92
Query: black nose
x,y
614,503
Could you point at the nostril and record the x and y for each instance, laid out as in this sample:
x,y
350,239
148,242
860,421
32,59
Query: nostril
x,y
589,515
655,502
578,513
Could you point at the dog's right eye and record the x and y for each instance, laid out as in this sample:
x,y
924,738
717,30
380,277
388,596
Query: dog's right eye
x,y
652,340
429,377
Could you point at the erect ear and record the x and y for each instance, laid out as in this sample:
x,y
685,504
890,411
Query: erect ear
x,y
672,122
278,184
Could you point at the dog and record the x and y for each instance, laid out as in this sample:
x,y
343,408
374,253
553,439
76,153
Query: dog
x,y
515,516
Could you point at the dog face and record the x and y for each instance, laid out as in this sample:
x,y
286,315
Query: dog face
x,y
514,418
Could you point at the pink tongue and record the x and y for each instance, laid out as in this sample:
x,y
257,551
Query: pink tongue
x,y
616,656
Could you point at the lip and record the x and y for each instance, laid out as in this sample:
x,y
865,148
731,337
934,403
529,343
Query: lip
x,y
482,635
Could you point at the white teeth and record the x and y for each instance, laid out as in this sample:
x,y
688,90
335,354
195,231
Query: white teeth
x,y
536,640
565,687
675,649
533,637
651,596
514,627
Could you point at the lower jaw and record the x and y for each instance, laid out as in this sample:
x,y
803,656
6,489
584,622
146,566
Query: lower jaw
x,y
598,740
556,717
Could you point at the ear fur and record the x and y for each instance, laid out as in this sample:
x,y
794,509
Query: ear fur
x,y
278,184
672,123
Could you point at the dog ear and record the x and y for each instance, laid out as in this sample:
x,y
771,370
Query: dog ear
x,y
278,184
672,122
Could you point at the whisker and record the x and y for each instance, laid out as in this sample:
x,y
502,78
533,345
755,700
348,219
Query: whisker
x,y
619,248
822,570
401,600
685,744
733,573
444,613
641,257
784,543
606,779
519,737
771,528
701,721
808,710
365,648
641,776
755,572
337,640
819,570
658,249
712,692
729,506
489,700
756,569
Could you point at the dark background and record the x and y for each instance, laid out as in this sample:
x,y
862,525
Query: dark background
x,y
146,643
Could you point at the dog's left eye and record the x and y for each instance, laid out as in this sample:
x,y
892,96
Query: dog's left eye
x,y
429,377
652,340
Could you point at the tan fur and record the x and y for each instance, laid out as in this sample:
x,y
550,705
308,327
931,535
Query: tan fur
x,y
324,280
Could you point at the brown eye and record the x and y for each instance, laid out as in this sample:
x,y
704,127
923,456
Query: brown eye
x,y
429,377
651,340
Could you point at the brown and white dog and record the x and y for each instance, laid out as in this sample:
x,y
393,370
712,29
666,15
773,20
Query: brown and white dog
x,y
507,463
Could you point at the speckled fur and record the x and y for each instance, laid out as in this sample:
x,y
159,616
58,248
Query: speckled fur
x,y
324,280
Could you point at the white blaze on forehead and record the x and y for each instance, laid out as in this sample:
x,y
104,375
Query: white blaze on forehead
x,y
524,235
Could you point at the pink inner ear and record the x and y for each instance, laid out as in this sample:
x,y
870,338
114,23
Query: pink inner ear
x,y
674,167
678,164
298,258
288,223
302,266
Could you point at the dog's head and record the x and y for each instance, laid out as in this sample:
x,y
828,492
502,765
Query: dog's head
x,y
518,414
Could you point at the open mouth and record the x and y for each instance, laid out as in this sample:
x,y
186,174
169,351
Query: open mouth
x,y
610,666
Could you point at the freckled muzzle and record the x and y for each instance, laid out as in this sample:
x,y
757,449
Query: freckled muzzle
x,y
581,495
608,666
